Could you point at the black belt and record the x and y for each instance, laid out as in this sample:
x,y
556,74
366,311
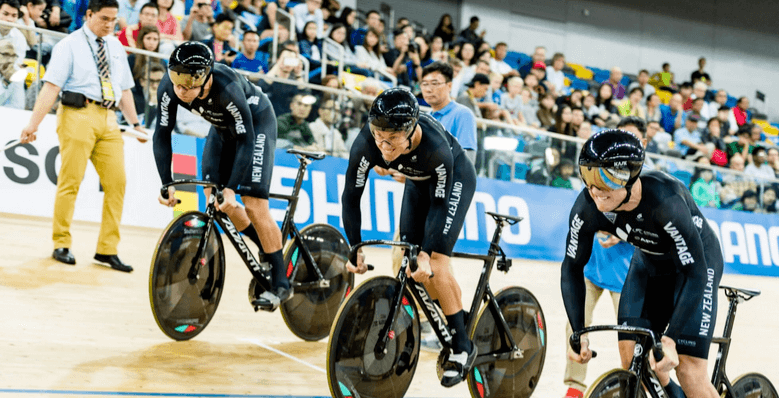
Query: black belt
x,y
100,104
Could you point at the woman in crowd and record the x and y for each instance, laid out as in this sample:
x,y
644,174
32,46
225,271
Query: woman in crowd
x,y
269,17
653,113
149,40
563,126
347,18
310,46
351,63
631,106
437,52
546,114
167,23
445,29
369,54
607,112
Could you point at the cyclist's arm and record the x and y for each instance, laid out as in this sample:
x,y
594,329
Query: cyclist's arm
x,y
688,256
582,226
166,120
234,101
356,179
440,187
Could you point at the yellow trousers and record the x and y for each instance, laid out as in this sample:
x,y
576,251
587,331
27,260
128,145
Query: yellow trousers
x,y
89,133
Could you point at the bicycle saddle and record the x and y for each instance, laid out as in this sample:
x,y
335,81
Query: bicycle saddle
x,y
310,155
503,217
748,294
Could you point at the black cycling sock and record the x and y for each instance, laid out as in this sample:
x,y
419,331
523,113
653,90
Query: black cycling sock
x,y
456,322
278,270
674,391
251,233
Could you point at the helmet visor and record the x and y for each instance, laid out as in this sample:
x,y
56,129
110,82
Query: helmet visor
x,y
604,178
189,79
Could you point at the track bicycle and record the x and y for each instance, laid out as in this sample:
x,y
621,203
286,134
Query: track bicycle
x,y
187,273
625,383
375,340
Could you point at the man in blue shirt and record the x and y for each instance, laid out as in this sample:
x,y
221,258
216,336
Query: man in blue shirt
x,y
672,115
251,60
688,138
436,85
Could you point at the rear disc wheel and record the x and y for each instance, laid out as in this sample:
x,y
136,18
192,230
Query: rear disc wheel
x,y
753,385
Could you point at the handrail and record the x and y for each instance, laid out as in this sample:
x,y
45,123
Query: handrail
x,y
341,54
389,76
306,67
292,31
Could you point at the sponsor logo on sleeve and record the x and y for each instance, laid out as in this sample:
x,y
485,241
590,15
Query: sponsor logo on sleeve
x,y
164,108
362,172
573,244
681,246
239,127
440,187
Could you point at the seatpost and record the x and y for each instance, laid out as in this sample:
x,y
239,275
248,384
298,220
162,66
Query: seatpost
x,y
724,346
293,200
496,238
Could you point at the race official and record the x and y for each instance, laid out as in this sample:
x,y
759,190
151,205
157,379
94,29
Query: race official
x,y
89,69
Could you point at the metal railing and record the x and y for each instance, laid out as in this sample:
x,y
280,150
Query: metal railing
x,y
292,31
340,60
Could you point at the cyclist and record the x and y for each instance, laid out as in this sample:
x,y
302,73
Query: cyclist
x,y
238,152
671,286
440,182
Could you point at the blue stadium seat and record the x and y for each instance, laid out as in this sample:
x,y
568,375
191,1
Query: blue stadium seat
x,y
520,171
579,84
625,81
683,176
731,101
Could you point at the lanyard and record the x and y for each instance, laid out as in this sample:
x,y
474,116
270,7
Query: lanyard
x,y
105,83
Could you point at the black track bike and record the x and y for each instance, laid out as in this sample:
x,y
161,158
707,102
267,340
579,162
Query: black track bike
x,y
628,383
375,340
187,273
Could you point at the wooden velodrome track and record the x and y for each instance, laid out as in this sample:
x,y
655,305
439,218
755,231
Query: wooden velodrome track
x,y
86,330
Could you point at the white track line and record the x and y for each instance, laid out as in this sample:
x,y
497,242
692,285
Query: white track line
x,y
284,354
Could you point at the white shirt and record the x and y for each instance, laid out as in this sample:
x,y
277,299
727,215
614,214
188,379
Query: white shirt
x,y
763,172
373,61
328,139
500,66
302,16
19,42
556,77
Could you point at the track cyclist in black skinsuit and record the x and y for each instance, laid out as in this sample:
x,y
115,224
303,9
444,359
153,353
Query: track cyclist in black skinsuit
x,y
440,182
238,152
672,283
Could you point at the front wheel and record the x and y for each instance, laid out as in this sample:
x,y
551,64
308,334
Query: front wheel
x,y
616,383
753,385
183,301
353,367
515,377
310,313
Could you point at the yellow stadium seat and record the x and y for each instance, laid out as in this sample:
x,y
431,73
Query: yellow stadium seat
x,y
581,72
32,66
665,96
567,82
767,127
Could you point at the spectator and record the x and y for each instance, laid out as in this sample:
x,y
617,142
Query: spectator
x,y
712,136
476,89
704,189
311,46
631,106
294,131
562,174
739,116
398,57
759,167
310,11
9,12
585,130
333,52
419,52
700,74
657,138
369,53
667,77
529,107
577,118
743,145
720,99
541,172
563,125
773,159
615,82
147,17
197,25
269,17
32,15
250,59
685,89
497,64
437,52
728,130
546,112
554,74
769,201
698,105
326,137
512,100
672,114
643,83
220,42
288,67
145,92
539,71
607,111
467,55
531,82
149,40
445,29
588,105
11,93
539,55
574,99
409,30
748,202
348,17
653,112
687,139
372,20
53,17
167,23
469,34
699,92
128,12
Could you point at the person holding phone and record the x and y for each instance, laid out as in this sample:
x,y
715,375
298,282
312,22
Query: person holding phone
x,y
222,42
197,25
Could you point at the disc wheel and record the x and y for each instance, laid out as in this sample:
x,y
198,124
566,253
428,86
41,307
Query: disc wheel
x,y
616,383
353,367
516,377
310,313
753,385
183,306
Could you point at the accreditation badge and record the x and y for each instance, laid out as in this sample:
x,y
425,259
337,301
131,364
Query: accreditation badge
x,y
108,89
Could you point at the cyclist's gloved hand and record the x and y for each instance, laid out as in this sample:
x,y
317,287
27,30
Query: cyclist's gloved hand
x,y
670,357
229,203
171,200
423,272
361,268
584,355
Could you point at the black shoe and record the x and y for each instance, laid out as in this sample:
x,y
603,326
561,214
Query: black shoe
x,y
267,301
284,294
64,255
114,262
455,370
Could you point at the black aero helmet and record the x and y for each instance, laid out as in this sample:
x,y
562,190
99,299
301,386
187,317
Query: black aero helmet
x,y
190,64
395,109
611,159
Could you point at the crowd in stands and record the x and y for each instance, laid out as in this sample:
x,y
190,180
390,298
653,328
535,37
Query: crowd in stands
x,y
685,120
